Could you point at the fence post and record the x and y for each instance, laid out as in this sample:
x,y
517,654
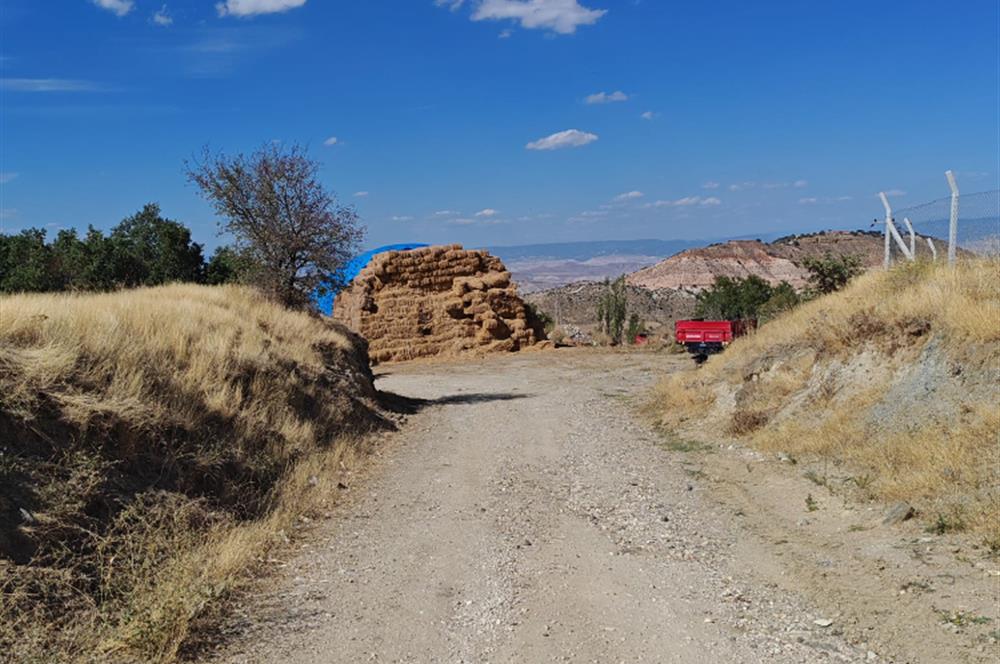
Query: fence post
x,y
953,221
930,243
913,238
888,220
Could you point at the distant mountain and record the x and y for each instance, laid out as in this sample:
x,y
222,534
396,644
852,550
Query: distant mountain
x,y
583,251
540,266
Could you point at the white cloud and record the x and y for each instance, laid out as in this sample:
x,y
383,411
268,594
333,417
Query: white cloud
x,y
809,200
571,138
461,222
453,5
710,185
800,184
895,192
402,218
649,115
447,213
560,16
256,7
116,7
687,201
629,195
605,98
330,142
6,177
162,18
46,85
742,185
594,213
505,34
360,194
488,212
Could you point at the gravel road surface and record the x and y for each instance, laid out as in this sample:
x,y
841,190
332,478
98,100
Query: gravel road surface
x,y
525,513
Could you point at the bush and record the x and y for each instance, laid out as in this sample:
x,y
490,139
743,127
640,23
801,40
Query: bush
x,y
541,317
830,273
635,328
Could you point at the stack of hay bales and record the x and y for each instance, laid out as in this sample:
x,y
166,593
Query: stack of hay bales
x,y
438,300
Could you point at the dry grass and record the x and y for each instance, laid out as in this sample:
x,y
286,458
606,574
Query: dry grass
x,y
156,443
832,379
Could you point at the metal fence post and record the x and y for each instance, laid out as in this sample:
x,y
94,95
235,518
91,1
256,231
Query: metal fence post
x,y
888,220
953,221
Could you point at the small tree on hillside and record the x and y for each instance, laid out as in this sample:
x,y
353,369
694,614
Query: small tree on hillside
x,y
287,226
612,308
830,273
732,299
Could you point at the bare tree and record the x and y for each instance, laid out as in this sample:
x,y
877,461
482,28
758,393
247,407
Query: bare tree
x,y
286,225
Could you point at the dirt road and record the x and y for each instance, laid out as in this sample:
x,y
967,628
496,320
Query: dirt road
x,y
526,514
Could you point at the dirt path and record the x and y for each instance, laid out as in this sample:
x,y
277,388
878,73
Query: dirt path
x,y
527,515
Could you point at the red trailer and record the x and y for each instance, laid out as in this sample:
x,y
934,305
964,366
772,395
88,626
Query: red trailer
x,y
705,337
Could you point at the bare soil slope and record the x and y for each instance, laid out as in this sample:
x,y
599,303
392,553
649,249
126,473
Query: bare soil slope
x,y
777,261
897,378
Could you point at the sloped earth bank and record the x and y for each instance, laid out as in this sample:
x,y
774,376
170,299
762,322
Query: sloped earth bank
x,y
526,514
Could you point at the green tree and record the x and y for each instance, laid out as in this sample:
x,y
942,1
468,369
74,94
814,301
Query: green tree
x,y
227,266
830,273
612,308
26,263
783,298
733,299
147,250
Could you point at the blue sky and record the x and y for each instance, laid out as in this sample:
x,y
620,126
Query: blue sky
x,y
491,122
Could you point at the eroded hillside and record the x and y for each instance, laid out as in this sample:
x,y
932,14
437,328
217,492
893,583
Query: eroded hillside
x,y
695,269
895,377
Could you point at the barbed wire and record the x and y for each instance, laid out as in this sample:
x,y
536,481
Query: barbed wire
x,y
978,220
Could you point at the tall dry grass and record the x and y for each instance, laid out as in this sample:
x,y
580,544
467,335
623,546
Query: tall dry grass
x,y
155,444
897,377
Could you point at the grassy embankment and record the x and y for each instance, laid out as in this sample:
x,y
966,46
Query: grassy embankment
x,y
155,444
896,378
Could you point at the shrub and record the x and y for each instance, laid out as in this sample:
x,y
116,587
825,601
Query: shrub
x,y
830,273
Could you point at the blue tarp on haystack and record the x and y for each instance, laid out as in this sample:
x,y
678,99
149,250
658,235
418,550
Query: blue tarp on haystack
x,y
324,302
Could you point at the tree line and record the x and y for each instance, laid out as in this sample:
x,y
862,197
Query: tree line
x,y
145,249
290,236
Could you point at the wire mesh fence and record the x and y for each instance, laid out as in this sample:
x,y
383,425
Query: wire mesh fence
x,y
956,226
978,228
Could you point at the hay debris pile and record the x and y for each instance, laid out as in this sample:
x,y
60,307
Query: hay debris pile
x,y
436,300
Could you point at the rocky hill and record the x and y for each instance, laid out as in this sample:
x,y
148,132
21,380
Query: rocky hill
x,y
694,269
576,304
